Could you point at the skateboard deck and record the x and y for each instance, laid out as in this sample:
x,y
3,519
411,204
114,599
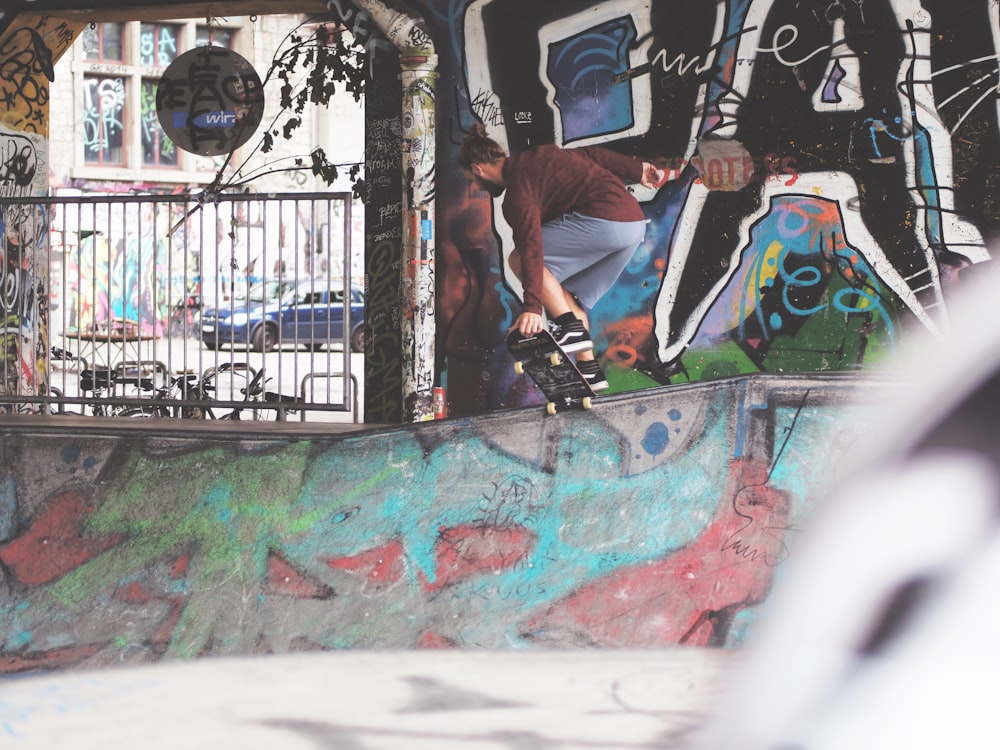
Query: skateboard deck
x,y
551,368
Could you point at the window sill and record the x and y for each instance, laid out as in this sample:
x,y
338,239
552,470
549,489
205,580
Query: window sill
x,y
141,176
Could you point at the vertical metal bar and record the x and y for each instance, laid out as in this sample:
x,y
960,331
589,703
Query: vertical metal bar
x,y
112,274
349,279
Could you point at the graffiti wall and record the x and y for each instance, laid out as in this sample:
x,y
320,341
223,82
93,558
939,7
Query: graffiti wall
x,y
28,47
660,519
384,248
831,170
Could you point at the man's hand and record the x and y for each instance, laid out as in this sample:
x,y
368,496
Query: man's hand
x,y
651,176
528,324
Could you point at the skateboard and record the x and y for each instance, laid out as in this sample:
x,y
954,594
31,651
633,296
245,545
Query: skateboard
x,y
552,370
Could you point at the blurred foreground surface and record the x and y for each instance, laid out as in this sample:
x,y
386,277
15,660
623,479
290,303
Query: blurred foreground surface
x,y
375,700
884,633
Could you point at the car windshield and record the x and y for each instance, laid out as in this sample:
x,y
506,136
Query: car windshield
x,y
265,291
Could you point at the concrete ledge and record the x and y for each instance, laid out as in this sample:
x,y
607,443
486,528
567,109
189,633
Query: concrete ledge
x,y
656,519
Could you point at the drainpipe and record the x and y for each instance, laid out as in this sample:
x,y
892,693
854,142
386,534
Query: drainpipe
x,y
418,62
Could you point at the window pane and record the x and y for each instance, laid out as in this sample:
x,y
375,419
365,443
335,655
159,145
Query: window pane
x,y
205,36
157,149
91,43
103,118
111,41
157,44
103,42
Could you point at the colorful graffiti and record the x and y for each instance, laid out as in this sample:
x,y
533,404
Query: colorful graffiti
x,y
22,238
658,524
119,263
27,51
22,372
831,174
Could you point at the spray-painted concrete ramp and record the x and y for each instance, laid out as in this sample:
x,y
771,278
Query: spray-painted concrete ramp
x,y
654,519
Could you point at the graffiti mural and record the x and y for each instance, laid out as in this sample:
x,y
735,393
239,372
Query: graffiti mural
x,y
22,229
27,53
664,525
831,173
28,46
120,265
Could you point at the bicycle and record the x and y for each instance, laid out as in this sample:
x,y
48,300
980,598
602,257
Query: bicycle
x,y
188,387
103,383
261,403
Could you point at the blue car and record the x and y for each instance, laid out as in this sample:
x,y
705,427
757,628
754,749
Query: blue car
x,y
310,314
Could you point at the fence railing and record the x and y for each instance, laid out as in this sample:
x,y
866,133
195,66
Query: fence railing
x,y
243,306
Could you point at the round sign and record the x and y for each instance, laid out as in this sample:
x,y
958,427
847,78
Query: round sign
x,y
210,101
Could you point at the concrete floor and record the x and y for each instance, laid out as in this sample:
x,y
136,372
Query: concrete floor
x,y
375,700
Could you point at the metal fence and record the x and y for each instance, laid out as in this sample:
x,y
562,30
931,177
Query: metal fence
x,y
239,307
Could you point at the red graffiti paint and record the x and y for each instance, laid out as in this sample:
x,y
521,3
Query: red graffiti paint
x,y
631,342
55,658
134,593
55,542
139,593
179,568
380,568
165,632
690,596
282,578
434,641
465,551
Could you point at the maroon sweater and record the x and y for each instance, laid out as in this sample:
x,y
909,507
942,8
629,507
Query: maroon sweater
x,y
547,182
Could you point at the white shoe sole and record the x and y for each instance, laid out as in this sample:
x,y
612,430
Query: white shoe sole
x,y
577,346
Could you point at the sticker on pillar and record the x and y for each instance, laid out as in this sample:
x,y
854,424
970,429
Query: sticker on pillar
x,y
210,101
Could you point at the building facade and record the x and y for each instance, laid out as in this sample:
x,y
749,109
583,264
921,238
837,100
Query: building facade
x,y
106,138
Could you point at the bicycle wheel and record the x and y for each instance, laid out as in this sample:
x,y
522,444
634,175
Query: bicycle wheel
x,y
138,411
256,408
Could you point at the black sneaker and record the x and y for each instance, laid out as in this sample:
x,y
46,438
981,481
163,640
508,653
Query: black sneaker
x,y
571,336
591,372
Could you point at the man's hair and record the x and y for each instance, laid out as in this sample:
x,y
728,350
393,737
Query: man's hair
x,y
478,148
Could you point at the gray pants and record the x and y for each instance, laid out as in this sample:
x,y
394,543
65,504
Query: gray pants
x,y
587,255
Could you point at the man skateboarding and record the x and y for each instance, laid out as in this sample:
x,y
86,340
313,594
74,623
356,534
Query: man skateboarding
x,y
575,227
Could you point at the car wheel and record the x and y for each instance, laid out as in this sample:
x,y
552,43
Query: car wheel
x,y
358,338
264,339
211,345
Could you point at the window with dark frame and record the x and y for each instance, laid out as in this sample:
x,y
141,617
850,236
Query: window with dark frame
x,y
104,42
157,148
107,92
159,44
206,36
104,120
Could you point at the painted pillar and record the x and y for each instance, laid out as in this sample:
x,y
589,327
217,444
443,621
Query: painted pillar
x,y
418,76
418,64
29,46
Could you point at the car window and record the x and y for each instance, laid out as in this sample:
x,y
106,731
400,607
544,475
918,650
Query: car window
x,y
309,294
298,296
267,291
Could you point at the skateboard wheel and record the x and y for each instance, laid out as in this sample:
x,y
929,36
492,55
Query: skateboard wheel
x,y
555,359
586,403
550,408
519,367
